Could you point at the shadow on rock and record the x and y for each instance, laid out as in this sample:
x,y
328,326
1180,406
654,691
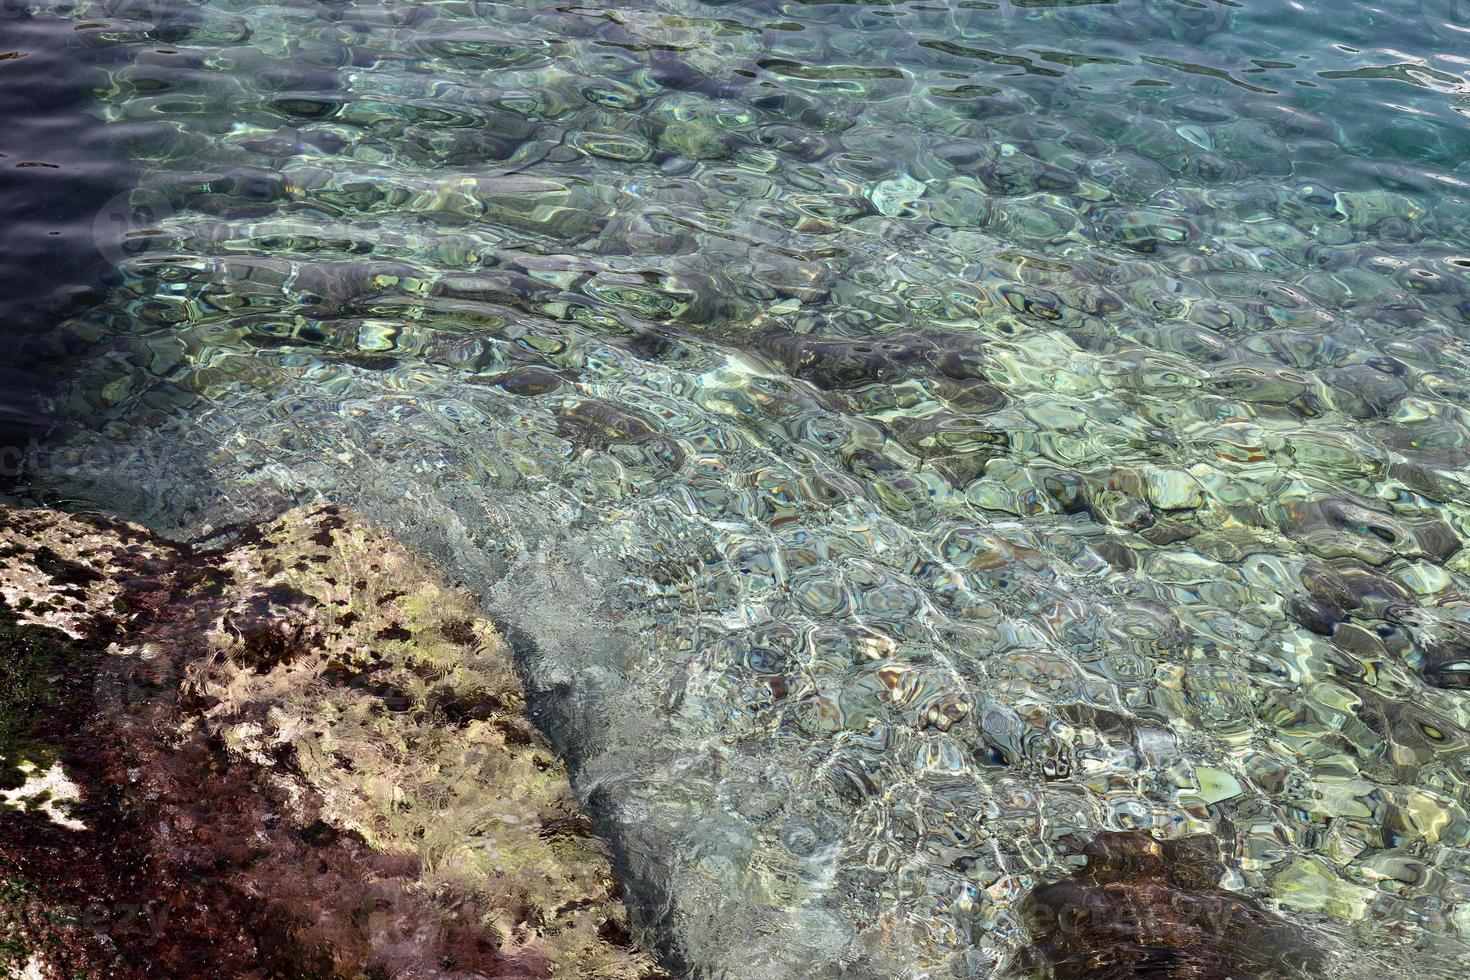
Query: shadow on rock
x,y
298,754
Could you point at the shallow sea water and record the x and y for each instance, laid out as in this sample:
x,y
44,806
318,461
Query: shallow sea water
x,y
905,439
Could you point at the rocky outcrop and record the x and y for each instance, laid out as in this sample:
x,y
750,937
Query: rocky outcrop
x,y
292,751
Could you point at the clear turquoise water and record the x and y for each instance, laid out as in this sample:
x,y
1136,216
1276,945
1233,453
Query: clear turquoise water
x,y
905,439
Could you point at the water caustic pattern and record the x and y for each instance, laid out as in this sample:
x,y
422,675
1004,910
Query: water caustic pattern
x,y
910,440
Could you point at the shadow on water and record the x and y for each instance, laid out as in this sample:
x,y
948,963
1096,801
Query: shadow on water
x,y
57,174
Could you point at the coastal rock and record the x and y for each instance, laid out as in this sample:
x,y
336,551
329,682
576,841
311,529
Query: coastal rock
x,y
1146,907
295,751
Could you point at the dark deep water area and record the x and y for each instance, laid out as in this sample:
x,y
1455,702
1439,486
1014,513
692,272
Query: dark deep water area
x,y
943,463
59,168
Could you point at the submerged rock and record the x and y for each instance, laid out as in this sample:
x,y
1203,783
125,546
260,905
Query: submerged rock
x,y
297,754
1146,907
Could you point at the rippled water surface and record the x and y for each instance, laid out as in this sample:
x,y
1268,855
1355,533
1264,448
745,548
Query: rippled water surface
x,y
905,438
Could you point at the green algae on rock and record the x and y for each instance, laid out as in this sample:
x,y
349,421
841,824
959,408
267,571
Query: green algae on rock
x,y
299,752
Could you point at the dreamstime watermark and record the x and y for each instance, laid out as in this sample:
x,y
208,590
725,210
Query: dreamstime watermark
x,y
41,461
988,20
151,918
135,678
98,14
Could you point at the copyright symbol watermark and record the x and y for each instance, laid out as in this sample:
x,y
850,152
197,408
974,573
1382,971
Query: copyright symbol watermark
x,y
136,681
131,225
1448,20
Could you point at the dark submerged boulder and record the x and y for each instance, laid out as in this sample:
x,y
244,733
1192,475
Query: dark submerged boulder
x,y
1143,907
